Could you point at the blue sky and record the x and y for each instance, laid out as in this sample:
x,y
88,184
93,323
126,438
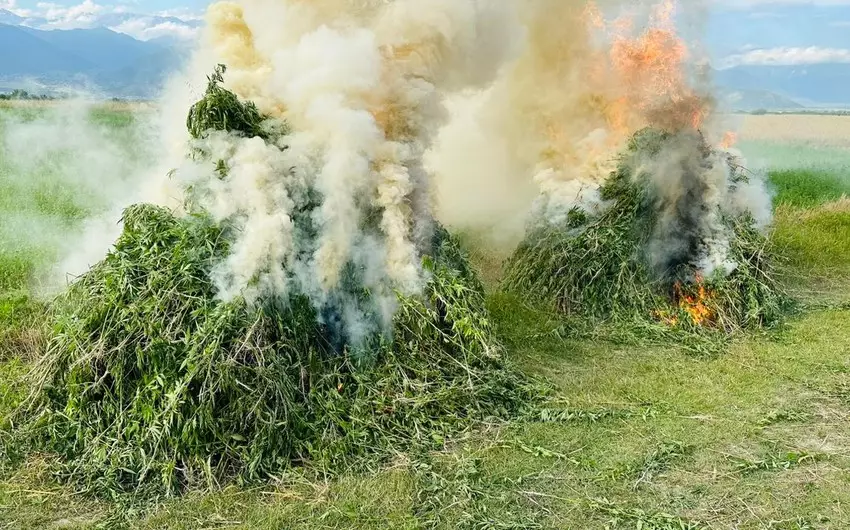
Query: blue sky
x,y
141,6
143,19
788,32
734,31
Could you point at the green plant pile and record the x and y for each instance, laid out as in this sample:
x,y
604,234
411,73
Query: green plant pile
x,y
222,110
595,269
151,381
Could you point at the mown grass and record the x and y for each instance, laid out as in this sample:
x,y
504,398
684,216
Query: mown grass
x,y
654,436
645,438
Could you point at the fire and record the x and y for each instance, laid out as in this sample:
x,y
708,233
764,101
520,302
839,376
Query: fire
x,y
650,69
601,80
694,302
593,16
729,140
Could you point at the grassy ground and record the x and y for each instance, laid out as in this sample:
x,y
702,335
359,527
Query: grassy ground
x,y
796,155
642,439
45,194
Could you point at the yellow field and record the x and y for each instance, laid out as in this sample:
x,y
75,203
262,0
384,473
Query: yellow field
x,y
824,130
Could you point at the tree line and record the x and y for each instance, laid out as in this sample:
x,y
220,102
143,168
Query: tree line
x,y
23,95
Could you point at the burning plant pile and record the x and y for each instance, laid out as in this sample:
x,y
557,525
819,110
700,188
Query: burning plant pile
x,y
291,297
300,305
663,230
667,246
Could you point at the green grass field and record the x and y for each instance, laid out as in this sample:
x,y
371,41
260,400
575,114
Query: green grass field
x,y
645,438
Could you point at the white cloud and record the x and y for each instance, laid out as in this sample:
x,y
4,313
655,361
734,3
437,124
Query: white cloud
x,y
788,56
13,7
182,13
145,28
177,23
82,15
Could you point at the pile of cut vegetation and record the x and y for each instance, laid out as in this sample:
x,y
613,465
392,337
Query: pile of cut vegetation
x,y
151,379
670,246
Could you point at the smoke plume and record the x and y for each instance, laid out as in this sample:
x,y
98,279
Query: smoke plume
x,y
481,114
66,165
584,79
360,86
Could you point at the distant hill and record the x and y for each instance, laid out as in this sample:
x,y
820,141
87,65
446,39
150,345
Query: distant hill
x,y
7,17
811,85
750,100
92,59
33,56
145,77
105,49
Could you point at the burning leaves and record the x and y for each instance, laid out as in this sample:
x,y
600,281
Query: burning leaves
x,y
649,69
693,303
239,389
585,82
697,302
729,140
615,274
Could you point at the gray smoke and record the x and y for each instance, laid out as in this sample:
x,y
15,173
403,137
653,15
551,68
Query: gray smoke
x,y
693,187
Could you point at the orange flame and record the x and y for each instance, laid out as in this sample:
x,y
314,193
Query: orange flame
x,y
650,69
608,77
697,303
694,302
729,140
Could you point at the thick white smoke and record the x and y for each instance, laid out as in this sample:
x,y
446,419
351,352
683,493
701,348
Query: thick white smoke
x,y
586,77
361,86
67,163
476,113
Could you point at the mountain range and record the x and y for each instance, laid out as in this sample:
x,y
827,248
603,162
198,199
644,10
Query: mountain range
x,y
96,60
114,64
814,85
141,26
